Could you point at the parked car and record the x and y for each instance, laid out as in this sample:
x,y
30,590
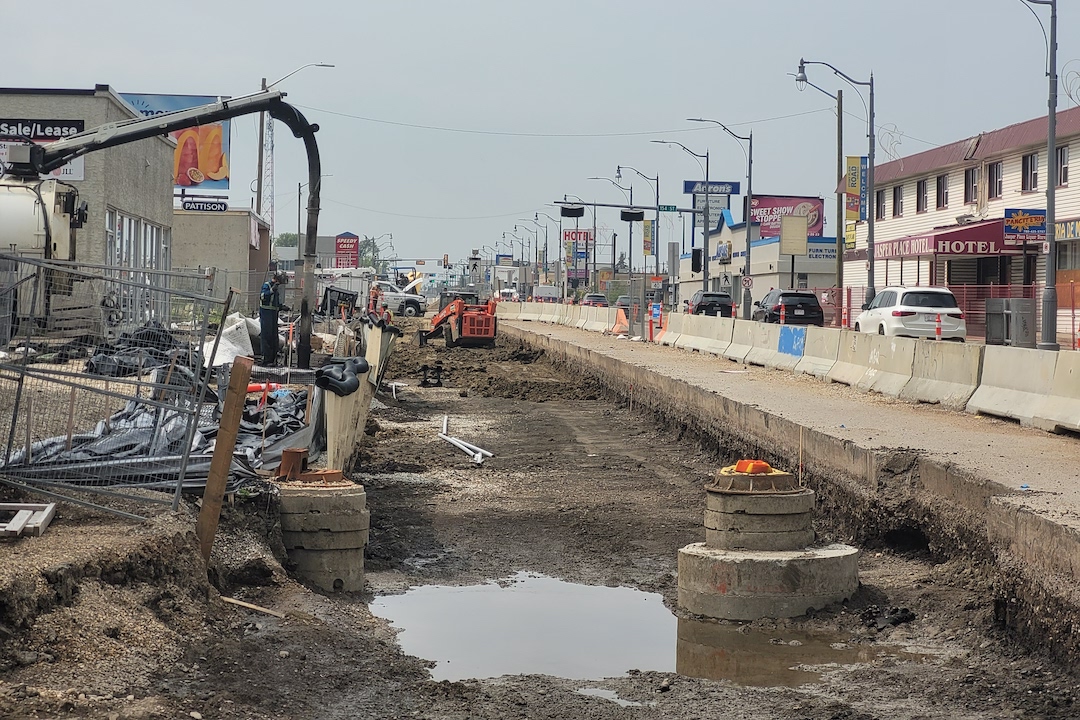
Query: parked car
x,y
595,300
912,311
623,302
710,303
801,307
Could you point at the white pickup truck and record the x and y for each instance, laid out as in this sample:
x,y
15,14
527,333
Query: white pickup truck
x,y
402,302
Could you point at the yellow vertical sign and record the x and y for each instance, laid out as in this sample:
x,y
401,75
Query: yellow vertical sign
x,y
647,237
854,188
849,236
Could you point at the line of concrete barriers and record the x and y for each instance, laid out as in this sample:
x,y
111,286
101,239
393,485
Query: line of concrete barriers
x,y
1039,388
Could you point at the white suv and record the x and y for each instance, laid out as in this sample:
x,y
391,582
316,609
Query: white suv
x,y
913,311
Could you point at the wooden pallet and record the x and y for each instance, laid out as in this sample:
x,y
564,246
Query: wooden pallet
x,y
28,518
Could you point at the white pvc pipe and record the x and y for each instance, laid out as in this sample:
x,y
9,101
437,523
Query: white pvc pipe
x,y
476,456
476,448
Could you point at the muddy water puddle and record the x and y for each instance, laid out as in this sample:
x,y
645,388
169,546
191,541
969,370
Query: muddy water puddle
x,y
533,624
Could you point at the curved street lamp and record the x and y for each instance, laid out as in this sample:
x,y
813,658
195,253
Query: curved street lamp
x,y
628,193
705,211
1050,301
841,224
655,183
871,192
262,131
747,298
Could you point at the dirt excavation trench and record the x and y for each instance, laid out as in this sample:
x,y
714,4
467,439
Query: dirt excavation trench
x,y
539,584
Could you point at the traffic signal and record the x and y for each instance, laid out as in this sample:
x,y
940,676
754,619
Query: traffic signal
x,y
695,259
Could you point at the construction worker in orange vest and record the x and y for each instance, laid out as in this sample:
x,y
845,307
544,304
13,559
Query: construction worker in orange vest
x,y
373,298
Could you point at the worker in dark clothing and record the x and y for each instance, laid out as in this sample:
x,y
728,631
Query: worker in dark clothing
x,y
269,307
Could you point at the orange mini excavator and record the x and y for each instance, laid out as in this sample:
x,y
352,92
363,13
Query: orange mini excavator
x,y
462,324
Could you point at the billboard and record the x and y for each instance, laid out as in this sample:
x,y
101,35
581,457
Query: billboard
x,y
346,251
768,209
43,132
202,152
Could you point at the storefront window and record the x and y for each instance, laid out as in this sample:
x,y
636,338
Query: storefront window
x,y
1068,255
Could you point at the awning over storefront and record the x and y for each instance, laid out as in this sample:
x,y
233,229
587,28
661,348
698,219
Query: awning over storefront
x,y
975,240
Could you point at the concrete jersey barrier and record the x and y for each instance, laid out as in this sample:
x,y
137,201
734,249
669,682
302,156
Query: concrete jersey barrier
x,y
888,367
530,311
852,358
764,340
819,352
693,334
718,334
1061,407
944,373
742,340
1014,382
674,329
581,317
508,310
596,320
789,349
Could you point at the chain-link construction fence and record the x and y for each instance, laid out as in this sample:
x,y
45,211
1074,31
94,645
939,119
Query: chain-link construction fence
x,y
102,377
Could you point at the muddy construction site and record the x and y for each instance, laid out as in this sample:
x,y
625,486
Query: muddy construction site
x,y
105,618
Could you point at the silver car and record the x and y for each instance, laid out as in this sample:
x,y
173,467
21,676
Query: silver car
x,y
913,311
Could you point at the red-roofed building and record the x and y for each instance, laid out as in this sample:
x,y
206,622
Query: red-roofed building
x,y
940,214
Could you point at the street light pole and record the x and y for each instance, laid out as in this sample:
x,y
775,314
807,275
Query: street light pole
x,y
656,225
299,194
535,235
546,256
262,130
1050,299
871,212
747,298
705,210
628,193
841,224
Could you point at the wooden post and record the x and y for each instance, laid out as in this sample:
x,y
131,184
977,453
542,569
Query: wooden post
x,y
206,528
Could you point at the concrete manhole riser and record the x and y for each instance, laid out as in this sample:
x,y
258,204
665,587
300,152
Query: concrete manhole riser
x,y
748,585
324,531
756,560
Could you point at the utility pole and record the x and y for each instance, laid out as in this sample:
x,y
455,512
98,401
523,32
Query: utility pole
x,y
259,177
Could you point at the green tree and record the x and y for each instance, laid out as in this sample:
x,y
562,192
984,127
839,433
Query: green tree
x,y
287,240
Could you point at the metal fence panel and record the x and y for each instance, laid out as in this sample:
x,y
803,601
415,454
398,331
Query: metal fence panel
x,y
100,375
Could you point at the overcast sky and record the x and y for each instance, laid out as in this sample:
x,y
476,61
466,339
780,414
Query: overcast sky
x,y
446,122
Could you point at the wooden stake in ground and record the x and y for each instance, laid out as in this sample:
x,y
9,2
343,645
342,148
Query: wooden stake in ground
x,y
236,395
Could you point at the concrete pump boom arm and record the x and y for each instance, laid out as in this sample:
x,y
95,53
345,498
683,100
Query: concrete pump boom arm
x,y
46,158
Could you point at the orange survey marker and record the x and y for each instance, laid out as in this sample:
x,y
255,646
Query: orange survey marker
x,y
753,467
622,325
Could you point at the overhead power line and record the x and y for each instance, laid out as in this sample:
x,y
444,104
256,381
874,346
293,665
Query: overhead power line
x,y
504,133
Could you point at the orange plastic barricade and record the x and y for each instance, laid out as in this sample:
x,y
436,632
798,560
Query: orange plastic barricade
x,y
622,325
